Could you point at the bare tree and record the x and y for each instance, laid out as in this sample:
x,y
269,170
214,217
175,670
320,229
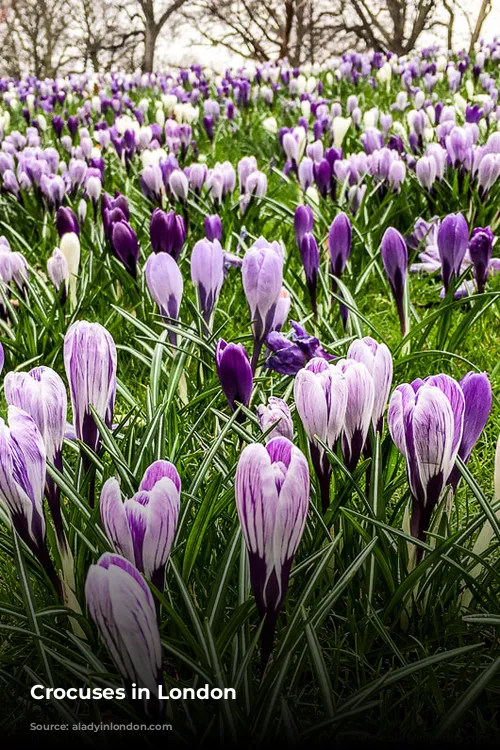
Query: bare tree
x,y
154,15
484,10
108,33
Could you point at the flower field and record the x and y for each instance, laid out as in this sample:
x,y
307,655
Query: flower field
x,y
250,342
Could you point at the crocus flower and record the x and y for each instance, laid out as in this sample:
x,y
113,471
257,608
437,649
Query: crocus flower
x,y
42,395
262,274
235,373
339,247
303,222
70,249
121,604
167,232
395,260
22,483
179,185
288,356
165,285
213,228
142,528
276,413
452,242
58,271
309,252
90,364
359,409
282,310
272,499
320,392
378,361
66,221
480,247
426,422
125,246
207,274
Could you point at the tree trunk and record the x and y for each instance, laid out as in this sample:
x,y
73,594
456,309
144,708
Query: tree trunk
x,y
285,42
150,37
481,18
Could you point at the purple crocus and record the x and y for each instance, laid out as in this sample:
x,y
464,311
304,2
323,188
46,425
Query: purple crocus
x,y
121,604
275,414
125,246
90,363
142,528
480,248
235,373
167,232
66,221
452,242
207,274
359,409
262,274
303,222
378,361
58,271
22,483
166,286
41,393
288,356
272,499
213,228
426,421
320,392
395,260
339,247
309,252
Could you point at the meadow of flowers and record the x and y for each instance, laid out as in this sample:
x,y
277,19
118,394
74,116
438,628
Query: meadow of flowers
x,y
250,364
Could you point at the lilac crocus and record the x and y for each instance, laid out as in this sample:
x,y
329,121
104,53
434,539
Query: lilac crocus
x,y
58,271
165,285
378,361
303,222
167,232
339,247
121,604
452,242
272,499
125,246
426,422
395,260
90,363
262,274
320,393
275,414
359,409
213,228
22,483
142,528
41,393
235,373
480,248
207,274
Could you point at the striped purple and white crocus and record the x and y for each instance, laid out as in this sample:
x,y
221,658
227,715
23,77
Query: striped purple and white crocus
x,y
272,498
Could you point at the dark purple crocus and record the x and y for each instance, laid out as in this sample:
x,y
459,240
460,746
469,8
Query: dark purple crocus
x,y
310,258
272,500
288,356
125,245
235,373
452,241
213,228
167,232
339,247
395,260
480,247
58,125
323,176
303,222
66,221
208,124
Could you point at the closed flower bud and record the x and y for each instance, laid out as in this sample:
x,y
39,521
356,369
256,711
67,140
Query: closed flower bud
x,y
165,285
277,415
452,241
235,373
395,260
207,274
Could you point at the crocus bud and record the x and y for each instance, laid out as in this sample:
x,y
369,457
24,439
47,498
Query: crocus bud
x,y
339,247
42,395
22,483
480,247
167,232
66,221
277,415
179,185
121,604
303,222
359,409
452,241
125,246
310,258
262,274
166,286
213,228
90,364
93,187
282,310
207,274
58,271
378,361
142,528
235,373
395,260
70,248
272,500
320,393
426,423
426,171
